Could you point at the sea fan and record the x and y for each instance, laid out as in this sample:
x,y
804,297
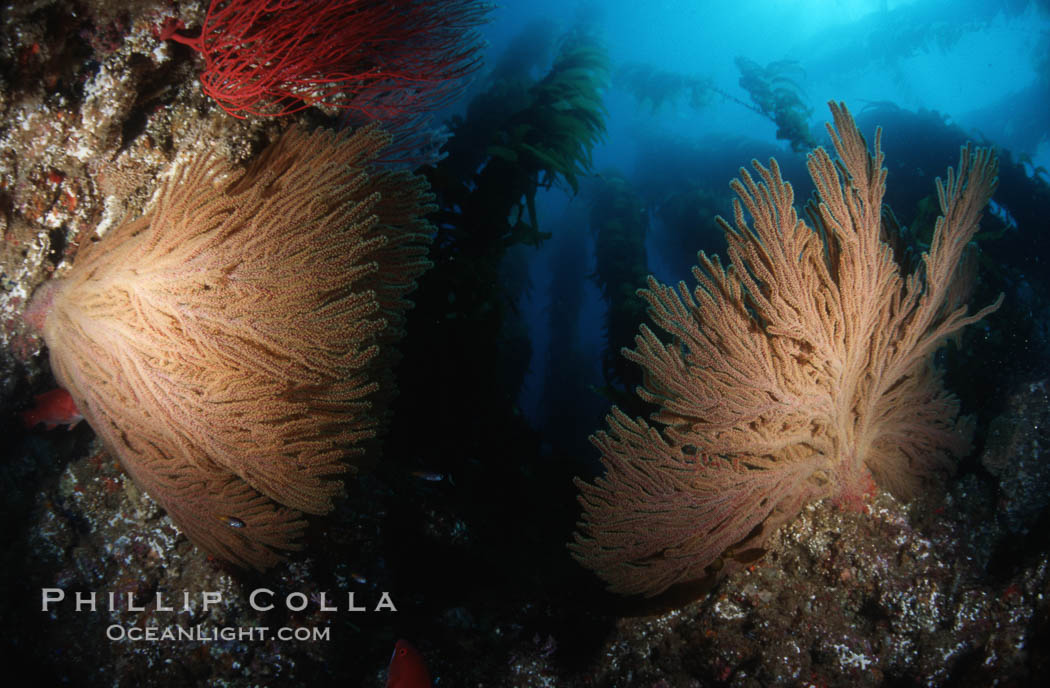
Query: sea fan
x,y
227,345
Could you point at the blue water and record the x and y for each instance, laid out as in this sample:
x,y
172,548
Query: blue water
x,y
984,66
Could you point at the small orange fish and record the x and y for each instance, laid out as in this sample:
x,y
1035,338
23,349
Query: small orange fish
x,y
52,408
407,668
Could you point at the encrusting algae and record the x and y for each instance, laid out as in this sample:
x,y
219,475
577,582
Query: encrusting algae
x,y
232,346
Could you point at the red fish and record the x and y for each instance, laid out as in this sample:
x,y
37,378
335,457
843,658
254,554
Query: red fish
x,y
407,668
52,408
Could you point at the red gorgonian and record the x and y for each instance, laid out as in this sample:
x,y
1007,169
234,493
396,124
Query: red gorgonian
x,y
384,59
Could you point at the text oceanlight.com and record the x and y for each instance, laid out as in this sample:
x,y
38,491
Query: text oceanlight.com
x,y
203,634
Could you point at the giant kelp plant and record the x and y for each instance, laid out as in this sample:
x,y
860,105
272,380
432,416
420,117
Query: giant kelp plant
x,y
776,94
464,327
515,139
568,396
620,223
656,87
774,91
